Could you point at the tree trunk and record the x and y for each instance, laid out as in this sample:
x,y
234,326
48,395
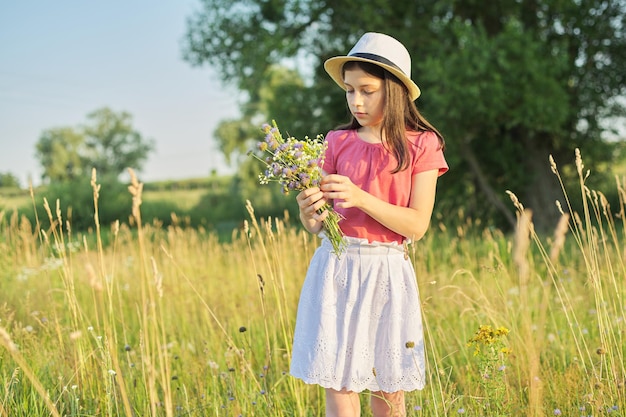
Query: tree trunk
x,y
543,190
483,183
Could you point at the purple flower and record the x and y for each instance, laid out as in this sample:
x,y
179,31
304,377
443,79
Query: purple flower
x,y
305,179
557,412
295,165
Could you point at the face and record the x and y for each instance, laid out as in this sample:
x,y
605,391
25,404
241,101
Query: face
x,y
365,95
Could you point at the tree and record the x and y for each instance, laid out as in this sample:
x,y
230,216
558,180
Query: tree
x,y
109,144
59,153
8,180
112,144
506,82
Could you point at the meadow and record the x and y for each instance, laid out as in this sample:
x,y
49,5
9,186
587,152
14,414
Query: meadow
x,y
174,321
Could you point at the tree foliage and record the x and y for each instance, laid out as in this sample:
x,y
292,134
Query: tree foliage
x,y
59,151
8,180
112,144
508,83
108,143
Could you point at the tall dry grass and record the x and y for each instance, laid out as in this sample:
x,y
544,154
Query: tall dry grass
x,y
173,322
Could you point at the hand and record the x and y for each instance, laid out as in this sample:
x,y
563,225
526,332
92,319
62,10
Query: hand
x,y
341,189
310,201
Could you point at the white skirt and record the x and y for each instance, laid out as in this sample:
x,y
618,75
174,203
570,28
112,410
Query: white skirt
x,y
359,322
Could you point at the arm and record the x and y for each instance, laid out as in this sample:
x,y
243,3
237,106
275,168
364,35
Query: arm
x,y
411,222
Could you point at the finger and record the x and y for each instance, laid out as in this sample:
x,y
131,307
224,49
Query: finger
x,y
332,178
331,186
319,204
305,199
306,193
319,208
308,205
312,204
321,216
334,195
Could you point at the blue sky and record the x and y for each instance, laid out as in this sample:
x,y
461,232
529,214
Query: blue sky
x,y
59,61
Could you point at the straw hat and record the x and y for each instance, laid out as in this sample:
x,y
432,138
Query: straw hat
x,y
379,49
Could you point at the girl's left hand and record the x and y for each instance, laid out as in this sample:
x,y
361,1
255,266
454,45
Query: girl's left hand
x,y
341,189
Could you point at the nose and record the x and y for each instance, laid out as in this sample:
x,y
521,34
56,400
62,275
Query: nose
x,y
355,98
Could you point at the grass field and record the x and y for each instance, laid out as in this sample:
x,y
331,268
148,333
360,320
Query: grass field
x,y
185,194
13,199
173,322
185,199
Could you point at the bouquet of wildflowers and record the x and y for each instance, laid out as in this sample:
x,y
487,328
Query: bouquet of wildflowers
x,y
297,165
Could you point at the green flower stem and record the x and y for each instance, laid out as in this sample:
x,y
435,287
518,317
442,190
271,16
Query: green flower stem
x,y
332,229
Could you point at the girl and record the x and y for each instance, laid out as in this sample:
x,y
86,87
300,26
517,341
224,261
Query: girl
x,y
359,323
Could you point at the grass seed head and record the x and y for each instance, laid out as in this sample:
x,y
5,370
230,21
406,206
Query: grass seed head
x,y
6,340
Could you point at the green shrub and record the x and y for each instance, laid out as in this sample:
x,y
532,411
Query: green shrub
x,y
74,201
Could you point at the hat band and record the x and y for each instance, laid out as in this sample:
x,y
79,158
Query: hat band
x,y
377,58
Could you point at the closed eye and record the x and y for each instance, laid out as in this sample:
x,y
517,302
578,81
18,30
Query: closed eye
x,y
366,92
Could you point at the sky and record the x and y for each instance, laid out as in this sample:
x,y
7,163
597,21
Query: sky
x,y
61,60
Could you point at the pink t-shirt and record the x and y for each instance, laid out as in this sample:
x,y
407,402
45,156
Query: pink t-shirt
x,y
369,166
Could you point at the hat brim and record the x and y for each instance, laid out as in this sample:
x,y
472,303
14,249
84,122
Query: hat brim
x,y
333,67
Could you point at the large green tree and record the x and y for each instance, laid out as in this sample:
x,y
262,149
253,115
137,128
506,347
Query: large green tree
x,y
507,82
108,142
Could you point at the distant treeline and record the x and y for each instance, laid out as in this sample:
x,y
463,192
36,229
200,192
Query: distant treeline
x,y
188,184
217,203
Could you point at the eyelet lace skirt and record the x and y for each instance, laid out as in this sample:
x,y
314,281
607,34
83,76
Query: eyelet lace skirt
x,y
359,323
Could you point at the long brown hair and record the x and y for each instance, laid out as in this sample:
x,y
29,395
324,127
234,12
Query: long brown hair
x,y
400,114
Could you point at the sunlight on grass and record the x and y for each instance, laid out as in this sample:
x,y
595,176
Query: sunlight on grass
x,y
184,199
12,199
173,322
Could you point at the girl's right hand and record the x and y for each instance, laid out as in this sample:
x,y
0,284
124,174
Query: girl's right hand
x,y
310,201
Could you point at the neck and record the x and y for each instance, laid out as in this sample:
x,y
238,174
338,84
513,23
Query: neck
x,y
371,134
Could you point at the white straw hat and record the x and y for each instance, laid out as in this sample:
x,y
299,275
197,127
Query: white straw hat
x,y
379,49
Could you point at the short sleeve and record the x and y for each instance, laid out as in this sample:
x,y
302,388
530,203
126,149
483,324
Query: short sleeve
x,y
329,165
429,154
